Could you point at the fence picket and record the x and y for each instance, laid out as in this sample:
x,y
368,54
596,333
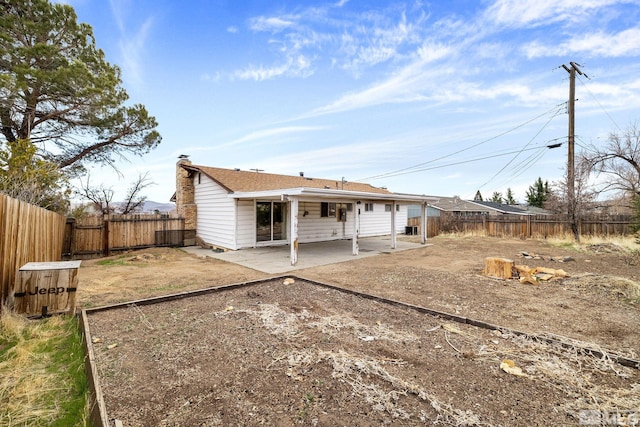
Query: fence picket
x,y
94,236
27,234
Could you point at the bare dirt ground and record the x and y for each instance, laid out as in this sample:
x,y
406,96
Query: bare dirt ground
x,y
298,354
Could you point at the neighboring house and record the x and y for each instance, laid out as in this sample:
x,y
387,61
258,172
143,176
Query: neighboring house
x,y
469,208
534,210
234,209
502,209
460,208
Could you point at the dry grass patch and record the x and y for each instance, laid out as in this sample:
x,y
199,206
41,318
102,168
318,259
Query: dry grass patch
x,y
42,380
602,244
618,288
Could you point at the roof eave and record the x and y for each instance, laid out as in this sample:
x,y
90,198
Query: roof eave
x,y
322,193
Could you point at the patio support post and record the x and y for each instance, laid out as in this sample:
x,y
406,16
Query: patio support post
x,y
423,223
294,230
356,228
393,225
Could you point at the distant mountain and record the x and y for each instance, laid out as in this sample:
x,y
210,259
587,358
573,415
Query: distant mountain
x,y
151,207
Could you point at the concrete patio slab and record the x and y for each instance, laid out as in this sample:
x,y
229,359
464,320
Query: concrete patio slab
x,y
276,259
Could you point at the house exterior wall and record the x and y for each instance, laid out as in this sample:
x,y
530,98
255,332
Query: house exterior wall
x,y
314,228
378,221
216,213
246,224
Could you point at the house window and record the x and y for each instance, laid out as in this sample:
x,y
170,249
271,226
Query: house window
x,y
327,210
397,208
368,207
387,207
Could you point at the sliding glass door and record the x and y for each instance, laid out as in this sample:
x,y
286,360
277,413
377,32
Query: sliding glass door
x,y
271,221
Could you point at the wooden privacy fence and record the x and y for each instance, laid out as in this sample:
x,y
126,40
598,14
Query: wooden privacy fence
x,y
523,226
99,236
28,233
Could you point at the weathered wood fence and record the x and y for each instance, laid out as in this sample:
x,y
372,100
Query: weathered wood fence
x,y
525,226
27,234
433,225
99,236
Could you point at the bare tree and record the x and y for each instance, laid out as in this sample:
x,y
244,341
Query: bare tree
x,y
134,201
102,197
619,161
558,196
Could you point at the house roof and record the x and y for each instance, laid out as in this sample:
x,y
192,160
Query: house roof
x,y
235,180
456,204
500,207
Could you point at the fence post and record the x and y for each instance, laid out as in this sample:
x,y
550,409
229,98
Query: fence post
x,y
69,237
105,238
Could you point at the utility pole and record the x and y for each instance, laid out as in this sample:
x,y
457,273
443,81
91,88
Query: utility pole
x,y
571,200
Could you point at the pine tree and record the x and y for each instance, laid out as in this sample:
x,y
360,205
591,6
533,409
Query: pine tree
x,y
59,93
538,193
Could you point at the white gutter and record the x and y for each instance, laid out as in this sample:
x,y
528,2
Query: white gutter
x,y
327,193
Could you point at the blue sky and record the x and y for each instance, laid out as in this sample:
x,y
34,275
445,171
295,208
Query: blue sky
x,y
440,98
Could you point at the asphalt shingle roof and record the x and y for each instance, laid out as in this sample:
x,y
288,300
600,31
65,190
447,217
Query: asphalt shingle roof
x,y
501,207
245,181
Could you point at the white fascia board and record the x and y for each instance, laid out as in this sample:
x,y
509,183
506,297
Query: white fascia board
x,y
323,193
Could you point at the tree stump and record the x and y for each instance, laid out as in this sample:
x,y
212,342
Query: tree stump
x,y
501,268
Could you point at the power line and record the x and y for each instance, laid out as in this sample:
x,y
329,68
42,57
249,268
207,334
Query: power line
x,y
535,157
555,111
599,104
526,145
405,172
517,166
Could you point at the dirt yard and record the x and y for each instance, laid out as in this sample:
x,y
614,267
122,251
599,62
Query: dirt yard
x,y
299,354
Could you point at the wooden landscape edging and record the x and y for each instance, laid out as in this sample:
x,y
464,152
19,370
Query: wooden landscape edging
x,y
97,407
98,415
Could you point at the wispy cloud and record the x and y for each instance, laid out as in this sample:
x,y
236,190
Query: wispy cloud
x,y
455,63
328,161
332,34
519,13
624,43
299,66
274,132
259,137
406,85
273,24
132,43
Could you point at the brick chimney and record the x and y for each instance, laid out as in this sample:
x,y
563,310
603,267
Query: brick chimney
x,y
185,200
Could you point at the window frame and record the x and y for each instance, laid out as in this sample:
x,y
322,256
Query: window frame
x,y
327,210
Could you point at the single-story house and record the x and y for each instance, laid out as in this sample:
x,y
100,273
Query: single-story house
x,y
502,209
471,208
233,209
459,207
